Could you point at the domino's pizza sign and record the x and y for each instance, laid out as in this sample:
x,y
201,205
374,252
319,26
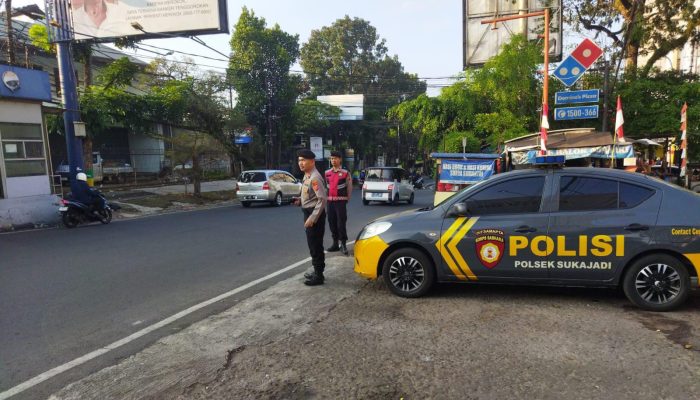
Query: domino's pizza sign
x,y
572,68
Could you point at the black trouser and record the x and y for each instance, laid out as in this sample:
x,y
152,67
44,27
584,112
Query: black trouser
x,y
314,238
337,218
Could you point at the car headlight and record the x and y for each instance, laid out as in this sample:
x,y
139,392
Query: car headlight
x,y
374,229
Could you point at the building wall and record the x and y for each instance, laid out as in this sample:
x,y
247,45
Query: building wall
x,y
27,200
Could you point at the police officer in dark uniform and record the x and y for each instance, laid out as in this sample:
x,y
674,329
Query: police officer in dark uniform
x,y
313,205
339,183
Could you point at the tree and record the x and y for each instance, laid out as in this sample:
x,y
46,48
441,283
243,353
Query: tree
x,y
259,72
491,105
639,27
349,57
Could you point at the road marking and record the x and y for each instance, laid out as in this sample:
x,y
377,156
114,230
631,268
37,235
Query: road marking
x,y
145,331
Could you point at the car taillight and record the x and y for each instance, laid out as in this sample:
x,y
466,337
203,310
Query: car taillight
x,y
364,186
266,186
391,188
237,188
64,202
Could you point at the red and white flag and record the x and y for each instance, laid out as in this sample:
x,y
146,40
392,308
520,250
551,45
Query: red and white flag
x,y
619,121
684,139
544,125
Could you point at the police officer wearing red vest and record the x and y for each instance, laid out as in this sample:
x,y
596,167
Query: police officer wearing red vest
x,y
339,182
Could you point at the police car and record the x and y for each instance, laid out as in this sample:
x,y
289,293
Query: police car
x,y
564,227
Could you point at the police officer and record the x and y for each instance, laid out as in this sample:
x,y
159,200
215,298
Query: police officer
x,y
339,190
313,205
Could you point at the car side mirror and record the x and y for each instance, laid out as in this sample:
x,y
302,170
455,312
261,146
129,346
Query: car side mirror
x,y
458,210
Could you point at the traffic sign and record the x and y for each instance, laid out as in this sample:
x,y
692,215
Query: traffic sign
x,y
569,71
577,96
580,112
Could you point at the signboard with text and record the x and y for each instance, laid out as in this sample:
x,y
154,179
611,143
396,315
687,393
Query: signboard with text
x,y
580,112
465,171
317,146
147,19
577,96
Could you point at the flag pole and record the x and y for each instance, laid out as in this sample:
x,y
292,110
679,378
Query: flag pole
x,y
684,140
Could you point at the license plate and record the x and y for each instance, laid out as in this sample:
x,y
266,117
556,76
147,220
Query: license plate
x,y
380,195
62,209
251,197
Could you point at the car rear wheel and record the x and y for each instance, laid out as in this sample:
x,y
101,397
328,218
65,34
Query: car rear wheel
x,y
657,282
396,200
278,200
410,199
365,202
245,203
408,273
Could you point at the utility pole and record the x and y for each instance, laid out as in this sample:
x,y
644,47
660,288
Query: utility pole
x,y
10,34
69,92
606,80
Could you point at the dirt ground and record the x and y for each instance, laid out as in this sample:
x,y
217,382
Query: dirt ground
x,y
473,343
353,339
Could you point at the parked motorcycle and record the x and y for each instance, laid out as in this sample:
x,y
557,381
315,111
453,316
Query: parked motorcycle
x,y
74,213
418,182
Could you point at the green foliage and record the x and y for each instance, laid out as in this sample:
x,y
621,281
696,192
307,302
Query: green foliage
x,y
491,105
651,107
119,73
313,116
349,57
39,37
259,72
453,143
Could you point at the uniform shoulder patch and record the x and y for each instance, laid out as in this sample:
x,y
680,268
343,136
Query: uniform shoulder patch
x,y
314,183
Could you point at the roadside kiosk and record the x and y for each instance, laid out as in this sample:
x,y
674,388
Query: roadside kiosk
x,y
455,171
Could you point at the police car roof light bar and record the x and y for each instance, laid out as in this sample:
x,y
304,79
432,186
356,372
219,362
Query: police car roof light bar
x,y
550,161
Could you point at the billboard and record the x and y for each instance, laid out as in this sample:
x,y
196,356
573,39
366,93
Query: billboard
x,y
351,105
110,19
482,41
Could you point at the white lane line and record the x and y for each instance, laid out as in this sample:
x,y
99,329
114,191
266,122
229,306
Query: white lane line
x,y
145,331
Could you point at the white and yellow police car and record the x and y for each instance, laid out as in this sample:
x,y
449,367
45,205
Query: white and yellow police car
x,y
565,227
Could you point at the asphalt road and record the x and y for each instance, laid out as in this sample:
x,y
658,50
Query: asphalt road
x,y
65,293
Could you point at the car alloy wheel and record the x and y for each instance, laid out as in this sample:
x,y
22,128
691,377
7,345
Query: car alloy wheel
x,y
406,274
658,283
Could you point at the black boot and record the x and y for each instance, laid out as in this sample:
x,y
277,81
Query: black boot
x,y
315,279
333,247
309,275
343,248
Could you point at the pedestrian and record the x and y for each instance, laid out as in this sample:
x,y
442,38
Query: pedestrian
x,y
339,184
313,205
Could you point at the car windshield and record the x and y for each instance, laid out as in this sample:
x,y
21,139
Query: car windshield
x,y
380,175
250,177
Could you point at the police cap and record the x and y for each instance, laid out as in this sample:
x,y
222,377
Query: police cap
x,y
336,153
307,154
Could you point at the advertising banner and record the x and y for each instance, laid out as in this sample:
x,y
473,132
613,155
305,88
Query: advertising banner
x,y
465,171
103,19
621,151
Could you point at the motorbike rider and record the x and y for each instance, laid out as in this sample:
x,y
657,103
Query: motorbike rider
x,y
88,196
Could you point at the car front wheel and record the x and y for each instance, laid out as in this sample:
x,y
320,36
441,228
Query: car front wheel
x,y
657,282
408,273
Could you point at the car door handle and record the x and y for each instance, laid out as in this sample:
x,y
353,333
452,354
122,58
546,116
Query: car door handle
x,y
636,227
525,229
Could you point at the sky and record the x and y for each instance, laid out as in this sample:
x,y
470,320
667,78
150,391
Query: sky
x,y
425,35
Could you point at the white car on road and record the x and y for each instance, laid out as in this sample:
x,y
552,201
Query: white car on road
x,y
387,184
